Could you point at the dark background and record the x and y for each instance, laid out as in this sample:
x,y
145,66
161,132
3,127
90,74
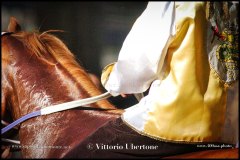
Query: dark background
x,y
94,30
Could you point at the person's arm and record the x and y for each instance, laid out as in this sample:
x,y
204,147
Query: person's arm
x,y
143,50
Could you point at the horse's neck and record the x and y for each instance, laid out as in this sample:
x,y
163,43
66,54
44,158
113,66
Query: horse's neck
x,y
39,84
34,84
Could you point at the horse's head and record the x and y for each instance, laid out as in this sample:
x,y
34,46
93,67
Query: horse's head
x,y
6,89
12,27
38,70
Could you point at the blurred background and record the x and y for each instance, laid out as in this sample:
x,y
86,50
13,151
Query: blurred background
x,y
94,31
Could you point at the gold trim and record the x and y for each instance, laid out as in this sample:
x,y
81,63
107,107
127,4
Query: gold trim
x,y
228,60
107,70
163,139
222,82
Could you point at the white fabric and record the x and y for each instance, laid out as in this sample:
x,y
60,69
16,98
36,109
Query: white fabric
x,y
137,115
143,50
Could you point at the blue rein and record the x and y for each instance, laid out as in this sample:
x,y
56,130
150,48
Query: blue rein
x,y
57,108
20,120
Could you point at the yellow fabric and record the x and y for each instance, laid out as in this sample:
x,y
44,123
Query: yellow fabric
x,y
106,72
190,102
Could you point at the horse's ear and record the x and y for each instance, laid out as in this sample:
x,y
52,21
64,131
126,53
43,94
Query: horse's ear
x,y
13,25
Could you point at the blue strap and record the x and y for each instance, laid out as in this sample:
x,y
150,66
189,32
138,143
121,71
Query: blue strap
x,y
20,120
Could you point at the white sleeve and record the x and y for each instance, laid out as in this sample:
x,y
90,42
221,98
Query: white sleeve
x,y
144,49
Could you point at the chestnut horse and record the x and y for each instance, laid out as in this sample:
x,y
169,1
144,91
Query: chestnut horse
x,y
38,70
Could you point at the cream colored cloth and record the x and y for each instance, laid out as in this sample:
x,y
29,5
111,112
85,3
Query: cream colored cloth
x,y
144,49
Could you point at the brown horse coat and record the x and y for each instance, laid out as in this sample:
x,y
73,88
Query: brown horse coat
x,y
38,71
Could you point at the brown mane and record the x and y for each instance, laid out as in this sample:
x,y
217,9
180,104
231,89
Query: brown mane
x,y
40,43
